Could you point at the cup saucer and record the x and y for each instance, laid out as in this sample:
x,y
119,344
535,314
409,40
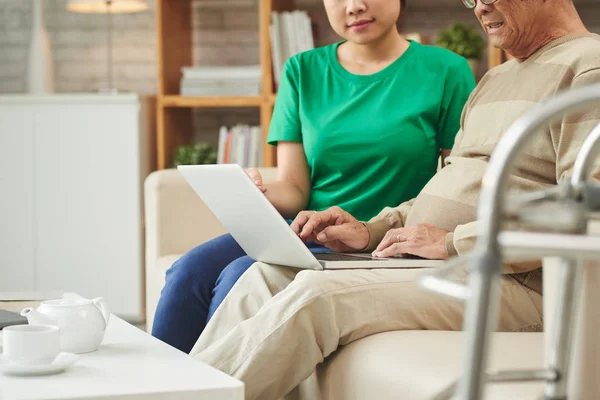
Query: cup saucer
x,y
60,363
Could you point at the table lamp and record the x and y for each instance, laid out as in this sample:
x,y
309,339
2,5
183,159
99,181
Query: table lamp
x,y
108,7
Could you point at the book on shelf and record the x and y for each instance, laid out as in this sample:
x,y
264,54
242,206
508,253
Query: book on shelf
x,y
221,81
291,33
222,72
242,144
220,90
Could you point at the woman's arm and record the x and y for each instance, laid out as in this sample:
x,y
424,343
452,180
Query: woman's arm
x,y
290,193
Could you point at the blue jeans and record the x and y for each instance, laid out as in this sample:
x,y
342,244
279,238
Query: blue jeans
x,y
196,285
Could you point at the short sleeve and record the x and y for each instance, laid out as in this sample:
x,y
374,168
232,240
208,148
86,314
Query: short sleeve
x,y
285,123
460,82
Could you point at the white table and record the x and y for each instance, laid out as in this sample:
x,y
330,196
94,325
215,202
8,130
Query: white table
x,y
130,364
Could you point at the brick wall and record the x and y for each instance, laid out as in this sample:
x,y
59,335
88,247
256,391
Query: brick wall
x,y
78,47
225,33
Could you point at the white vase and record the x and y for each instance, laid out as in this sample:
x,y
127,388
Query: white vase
x,y
40,68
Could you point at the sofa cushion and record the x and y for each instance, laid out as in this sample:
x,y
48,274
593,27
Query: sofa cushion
x,y
416,365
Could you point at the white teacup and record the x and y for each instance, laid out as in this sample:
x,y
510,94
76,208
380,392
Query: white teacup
x,y
31,344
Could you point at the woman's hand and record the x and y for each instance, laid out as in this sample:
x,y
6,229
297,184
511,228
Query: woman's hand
x,y
334,228
256,178
421,240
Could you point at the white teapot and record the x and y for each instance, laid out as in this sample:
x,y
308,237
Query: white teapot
x,y
82,322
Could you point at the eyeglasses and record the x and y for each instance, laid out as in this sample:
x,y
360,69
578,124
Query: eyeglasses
x,y
473,3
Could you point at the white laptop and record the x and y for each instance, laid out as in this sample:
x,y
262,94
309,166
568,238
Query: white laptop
x,y
262,232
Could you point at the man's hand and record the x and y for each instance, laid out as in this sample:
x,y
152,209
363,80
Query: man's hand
x,y
421,240
256,178
334,228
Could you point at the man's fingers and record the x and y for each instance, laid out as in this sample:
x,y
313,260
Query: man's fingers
x,y
310,223
319,221
333,232
306,223
300,220
393,250
391,237
384,244
312,238
313,222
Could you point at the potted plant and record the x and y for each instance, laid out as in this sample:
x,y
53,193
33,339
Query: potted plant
x,y
464,40
194,154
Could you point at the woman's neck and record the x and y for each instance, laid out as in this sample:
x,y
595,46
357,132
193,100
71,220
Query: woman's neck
x,y
388,48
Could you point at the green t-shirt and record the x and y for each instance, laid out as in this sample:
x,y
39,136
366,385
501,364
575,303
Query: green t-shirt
x,y
371,141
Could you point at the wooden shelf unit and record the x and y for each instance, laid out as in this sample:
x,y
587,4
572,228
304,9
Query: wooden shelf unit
x,y
174,117
211,101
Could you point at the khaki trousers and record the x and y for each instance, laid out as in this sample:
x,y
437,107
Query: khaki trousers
x,y
278,323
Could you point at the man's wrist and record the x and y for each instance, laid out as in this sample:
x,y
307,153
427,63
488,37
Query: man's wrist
x,y
368,238
377,231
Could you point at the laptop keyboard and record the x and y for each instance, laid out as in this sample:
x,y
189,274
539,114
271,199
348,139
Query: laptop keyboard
x,y
340,257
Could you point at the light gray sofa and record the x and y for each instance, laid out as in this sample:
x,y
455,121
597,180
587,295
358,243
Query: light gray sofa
x,y
411,365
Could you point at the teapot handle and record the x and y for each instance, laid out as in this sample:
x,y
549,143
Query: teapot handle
x,y
103,306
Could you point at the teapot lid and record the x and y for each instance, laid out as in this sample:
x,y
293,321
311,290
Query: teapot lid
x,y
66,302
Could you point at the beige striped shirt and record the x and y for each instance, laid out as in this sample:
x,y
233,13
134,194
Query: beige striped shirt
x,y
449,200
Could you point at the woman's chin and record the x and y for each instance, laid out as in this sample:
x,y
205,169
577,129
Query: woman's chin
x,y
364,38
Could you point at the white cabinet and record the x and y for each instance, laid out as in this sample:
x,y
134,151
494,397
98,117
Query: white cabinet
x,y
71,174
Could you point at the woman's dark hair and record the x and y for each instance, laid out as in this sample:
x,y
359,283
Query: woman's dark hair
x,y
402,4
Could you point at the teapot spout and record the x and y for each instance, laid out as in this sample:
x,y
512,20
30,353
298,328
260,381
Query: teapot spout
x,y
36,318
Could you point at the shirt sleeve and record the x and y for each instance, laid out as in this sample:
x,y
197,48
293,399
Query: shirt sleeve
x,y
388,218
570,132
460,82
568,136
285,123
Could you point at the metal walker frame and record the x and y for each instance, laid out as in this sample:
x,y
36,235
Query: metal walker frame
x,y
577,199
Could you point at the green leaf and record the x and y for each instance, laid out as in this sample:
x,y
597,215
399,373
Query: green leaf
x,y
194,154
462,39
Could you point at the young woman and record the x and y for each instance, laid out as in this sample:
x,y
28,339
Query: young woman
x,y
359,124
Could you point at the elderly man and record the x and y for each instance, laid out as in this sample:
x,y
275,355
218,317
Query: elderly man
x,y
277,324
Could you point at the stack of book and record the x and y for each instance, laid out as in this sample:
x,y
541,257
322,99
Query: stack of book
x,y
291,33
221,81
242,144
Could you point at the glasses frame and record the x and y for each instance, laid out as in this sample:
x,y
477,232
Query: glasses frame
x,y
473,3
